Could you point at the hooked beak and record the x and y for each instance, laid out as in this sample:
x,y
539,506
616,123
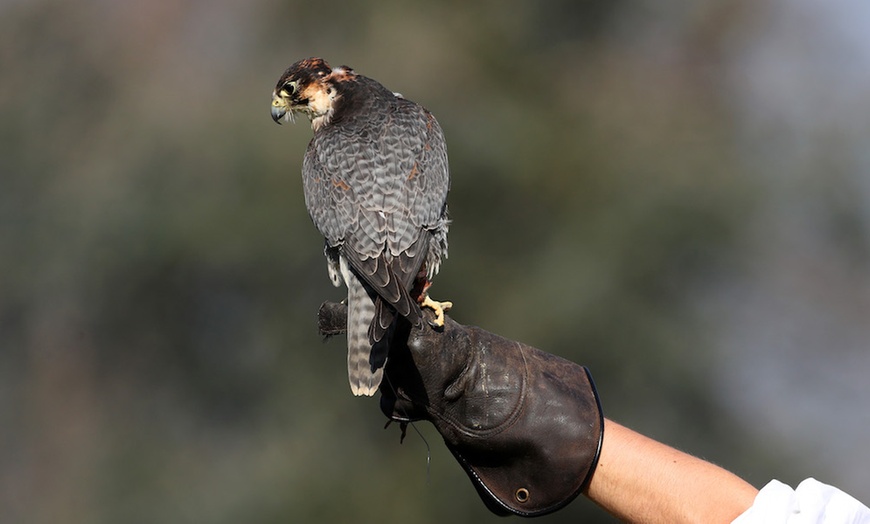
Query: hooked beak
x,y
279,107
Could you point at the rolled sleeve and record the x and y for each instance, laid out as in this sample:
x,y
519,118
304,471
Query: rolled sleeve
x,y
811,503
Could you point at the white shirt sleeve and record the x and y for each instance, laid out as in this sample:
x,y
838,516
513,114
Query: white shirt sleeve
x,y
811,503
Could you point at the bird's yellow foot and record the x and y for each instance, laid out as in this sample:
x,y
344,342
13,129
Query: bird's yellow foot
x,y
438,307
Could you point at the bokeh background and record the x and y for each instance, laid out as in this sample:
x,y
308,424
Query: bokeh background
x,y
676,195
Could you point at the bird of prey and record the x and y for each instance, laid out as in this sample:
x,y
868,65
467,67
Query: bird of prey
x,y
375,179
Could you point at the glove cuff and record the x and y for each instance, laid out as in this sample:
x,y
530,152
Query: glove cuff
x,y
540,454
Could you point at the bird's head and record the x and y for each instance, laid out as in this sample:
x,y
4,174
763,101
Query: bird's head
x,y
308,86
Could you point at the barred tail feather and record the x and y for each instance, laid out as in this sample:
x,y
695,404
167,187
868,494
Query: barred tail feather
x,y
365,363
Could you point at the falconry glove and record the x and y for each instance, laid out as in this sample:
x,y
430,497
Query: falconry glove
x,y
525,425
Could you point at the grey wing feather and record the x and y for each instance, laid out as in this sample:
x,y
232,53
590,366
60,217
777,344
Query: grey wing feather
x,y
427,190
377,190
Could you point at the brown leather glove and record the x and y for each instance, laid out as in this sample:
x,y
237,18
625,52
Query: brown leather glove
x,y
525,425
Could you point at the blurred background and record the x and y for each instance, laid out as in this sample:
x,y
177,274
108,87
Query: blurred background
x,y
675,195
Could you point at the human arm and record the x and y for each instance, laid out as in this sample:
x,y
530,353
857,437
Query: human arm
x,y
640,480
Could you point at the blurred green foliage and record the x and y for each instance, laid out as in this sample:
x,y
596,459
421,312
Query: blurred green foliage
x,y
159,276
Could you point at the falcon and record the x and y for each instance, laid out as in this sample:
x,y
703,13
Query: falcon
x,y
375,179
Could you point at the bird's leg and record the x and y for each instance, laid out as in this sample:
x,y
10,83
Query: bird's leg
x,y
438,307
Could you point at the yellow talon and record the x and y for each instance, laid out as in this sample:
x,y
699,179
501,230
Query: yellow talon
x,y
438,307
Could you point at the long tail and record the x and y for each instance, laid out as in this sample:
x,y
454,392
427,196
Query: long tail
x,y
365,362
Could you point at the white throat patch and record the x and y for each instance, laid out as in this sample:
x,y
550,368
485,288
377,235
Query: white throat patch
x,y
321,104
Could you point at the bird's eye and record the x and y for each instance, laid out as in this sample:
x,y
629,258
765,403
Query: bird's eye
x,y
290,87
